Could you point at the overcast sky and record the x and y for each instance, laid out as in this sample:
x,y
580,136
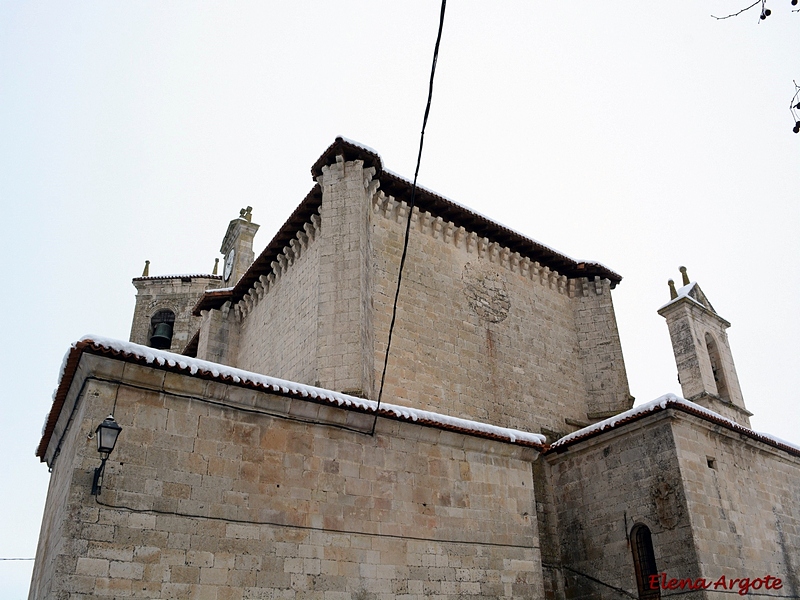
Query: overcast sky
x,y
643,135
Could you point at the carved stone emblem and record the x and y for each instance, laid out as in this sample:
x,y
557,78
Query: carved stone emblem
x,y
486,292
667,503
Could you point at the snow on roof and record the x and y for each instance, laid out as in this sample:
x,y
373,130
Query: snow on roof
x,y
184,276
492,220
394,183
360,145
480,214
464,207
194,366
684,292
434,193
669,401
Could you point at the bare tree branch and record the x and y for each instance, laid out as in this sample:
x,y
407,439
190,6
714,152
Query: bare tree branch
x,y
738,13
794,105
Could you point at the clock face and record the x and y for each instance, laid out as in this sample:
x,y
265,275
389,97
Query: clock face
x,y
226,273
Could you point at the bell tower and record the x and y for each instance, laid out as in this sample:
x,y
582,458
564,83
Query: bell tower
x,y
702,353
163,317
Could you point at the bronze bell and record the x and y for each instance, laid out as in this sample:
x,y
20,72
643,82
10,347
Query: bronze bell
x,y
162,336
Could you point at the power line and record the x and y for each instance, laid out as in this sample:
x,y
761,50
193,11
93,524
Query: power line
x,y
259,523
410,211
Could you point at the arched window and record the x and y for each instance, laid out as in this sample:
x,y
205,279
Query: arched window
x,y
644,562
716,368
161,329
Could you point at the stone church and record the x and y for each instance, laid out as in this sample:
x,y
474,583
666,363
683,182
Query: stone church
x,y
504,461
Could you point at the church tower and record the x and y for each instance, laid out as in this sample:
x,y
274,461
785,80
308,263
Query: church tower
x,y
164,303
163,317
702,353
237,247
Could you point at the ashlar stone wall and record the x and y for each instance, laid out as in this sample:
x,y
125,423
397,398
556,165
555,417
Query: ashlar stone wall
x,y
743,499
711,382
600,489
718,503
481,332
278,321
485,334
178,294
600,349
310,319
216,491
60,538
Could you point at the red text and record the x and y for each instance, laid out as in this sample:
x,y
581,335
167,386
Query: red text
x,y
742,585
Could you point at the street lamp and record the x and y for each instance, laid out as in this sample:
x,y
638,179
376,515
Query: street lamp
x,y
106,433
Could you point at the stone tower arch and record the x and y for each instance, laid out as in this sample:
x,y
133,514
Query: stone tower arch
x,y
717,369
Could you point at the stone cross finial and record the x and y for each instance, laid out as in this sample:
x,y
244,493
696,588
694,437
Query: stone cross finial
x,y
146,272
246,214
684,275
673,293
216,266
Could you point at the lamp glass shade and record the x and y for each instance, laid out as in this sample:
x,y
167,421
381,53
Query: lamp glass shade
x,y
107,433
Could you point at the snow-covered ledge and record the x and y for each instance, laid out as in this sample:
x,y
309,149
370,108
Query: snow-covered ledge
x,y
312,400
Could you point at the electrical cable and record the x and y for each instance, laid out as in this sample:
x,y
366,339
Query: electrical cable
x,y
410,212
590,578
227,404
118,506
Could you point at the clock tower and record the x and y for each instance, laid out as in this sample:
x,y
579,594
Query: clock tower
x,y
237,247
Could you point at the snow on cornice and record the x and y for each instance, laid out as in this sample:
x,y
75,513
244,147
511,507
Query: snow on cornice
x,y
194,366
671,401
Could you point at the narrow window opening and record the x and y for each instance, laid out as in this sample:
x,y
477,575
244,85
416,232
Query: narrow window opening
x,y
716,368
644,562
712,462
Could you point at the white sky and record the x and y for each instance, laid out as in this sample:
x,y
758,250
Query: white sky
x,y
641,135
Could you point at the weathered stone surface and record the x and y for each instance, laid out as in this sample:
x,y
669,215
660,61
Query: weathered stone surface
x,y
703,355
177,294
481,332
218,491
316,510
